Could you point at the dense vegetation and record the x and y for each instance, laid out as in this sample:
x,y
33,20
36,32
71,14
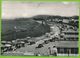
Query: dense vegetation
x,y
24,27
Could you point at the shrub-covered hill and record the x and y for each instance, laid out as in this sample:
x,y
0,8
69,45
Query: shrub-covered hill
x,y
21,28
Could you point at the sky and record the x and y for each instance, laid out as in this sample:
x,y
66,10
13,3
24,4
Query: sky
x,y
29,9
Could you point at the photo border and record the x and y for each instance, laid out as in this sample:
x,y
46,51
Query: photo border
x,y
40,56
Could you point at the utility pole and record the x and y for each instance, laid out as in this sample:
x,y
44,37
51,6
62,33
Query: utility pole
x,y
15,29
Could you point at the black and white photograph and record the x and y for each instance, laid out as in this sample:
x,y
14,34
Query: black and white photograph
x,y
39,28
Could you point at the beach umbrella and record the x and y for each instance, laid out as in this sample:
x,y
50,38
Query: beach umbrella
x,y
40,42
3,42
8,42
7,45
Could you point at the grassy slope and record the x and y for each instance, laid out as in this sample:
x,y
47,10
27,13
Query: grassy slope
x,y
26,27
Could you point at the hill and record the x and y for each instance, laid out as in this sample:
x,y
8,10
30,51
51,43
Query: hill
x,y
21,28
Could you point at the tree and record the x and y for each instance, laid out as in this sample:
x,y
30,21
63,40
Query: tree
x,y
75,17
